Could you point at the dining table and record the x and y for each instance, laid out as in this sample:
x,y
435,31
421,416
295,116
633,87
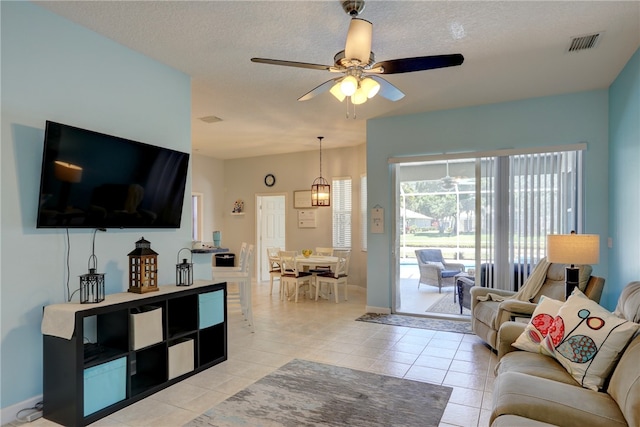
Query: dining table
x,y
312,262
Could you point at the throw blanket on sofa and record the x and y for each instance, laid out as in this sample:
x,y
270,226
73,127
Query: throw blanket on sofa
x,y
529,289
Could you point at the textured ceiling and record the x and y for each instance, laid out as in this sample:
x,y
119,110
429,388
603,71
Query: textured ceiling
x,y
513,50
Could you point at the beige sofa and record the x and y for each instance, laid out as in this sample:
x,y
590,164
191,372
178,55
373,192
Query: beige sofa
x,y
487,316
532,389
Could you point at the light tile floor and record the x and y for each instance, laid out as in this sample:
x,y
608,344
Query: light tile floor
x,y
326,332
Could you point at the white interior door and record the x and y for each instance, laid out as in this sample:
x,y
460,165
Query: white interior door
x,y
270,229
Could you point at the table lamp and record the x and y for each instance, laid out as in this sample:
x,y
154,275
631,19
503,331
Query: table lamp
x,y
573,249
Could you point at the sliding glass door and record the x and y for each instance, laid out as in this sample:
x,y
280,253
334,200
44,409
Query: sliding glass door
x,y
488,215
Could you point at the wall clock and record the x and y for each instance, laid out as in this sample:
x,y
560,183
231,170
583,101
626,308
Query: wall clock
x,y
269,180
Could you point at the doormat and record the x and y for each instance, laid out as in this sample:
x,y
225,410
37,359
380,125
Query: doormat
x,y
461,326
303,393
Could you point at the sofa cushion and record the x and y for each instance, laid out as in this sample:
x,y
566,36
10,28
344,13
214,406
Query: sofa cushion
x,y
554,284
538,365
539,325
629,303
486,312
552,402
624,384
514,420
587,339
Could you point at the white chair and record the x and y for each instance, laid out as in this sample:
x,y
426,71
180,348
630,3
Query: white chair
x,y
336,277
291,276
241,276
273,260
324,251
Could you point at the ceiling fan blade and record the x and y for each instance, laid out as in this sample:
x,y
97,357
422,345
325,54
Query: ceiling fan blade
x,y
291,64
319,89
387,90
420,63
358,44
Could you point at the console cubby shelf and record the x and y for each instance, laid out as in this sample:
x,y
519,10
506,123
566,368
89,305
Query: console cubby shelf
x,y
109,355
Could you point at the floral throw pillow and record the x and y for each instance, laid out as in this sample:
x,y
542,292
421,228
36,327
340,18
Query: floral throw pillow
x,y
538,326
587,339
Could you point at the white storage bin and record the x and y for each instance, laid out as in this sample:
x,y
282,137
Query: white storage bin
x,y
145,327
181,356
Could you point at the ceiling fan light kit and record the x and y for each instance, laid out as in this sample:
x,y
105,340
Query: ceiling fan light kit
x,y
361,79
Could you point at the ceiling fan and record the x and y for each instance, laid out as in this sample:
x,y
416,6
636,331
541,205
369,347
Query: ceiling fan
x,y
360,79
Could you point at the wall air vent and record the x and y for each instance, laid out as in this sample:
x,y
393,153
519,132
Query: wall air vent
x,y
588,41
210,119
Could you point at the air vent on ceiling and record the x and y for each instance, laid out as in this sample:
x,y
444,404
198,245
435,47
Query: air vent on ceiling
x,y
588,41
211,119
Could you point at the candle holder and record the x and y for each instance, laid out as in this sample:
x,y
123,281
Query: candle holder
x,y
92,284
184,270
143,268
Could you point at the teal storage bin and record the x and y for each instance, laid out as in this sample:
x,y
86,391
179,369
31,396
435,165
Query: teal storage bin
x,y
210,309
105,385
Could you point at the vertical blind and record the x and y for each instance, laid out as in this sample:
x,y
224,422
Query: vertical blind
x,y
341,205
525,197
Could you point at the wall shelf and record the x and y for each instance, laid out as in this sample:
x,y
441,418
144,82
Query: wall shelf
x,y
237,213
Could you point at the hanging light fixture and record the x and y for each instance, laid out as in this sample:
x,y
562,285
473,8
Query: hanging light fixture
x,y
320,189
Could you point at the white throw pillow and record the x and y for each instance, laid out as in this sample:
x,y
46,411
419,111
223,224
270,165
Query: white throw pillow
x,y
587,339
537,328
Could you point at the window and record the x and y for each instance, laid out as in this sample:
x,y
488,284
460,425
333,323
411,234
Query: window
x,y
363,212
341,205
196,216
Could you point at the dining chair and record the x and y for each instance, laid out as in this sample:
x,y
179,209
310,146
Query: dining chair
x,y
319,251
241,276
273,260
324,251
336,277
291,275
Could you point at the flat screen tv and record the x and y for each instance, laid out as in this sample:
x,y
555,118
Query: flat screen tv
x,y
93,180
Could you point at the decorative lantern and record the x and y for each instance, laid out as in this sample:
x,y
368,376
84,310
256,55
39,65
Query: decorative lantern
x,y
143,268
184,270
92,284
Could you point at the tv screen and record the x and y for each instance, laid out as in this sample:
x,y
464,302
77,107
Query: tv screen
x,y
93,180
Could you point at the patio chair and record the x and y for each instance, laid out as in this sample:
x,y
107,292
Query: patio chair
x,y
434,269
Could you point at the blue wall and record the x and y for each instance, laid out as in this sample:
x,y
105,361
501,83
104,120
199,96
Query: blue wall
x,y
624,177
548,121
55,70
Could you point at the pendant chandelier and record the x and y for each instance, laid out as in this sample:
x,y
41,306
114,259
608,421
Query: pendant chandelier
x,y
320,189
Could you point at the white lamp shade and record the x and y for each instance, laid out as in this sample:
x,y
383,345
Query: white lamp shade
x,y
370,87
335,91
360,97
349,85
358,44
579,249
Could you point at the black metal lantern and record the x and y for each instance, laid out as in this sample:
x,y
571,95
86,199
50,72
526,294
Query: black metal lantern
x,y
92,284
184,270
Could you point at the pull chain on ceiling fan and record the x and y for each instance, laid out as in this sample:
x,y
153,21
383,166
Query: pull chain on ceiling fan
x,y
361,74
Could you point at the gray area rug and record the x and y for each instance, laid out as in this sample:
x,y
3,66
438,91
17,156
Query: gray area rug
x,y
303,393
461,326
446,305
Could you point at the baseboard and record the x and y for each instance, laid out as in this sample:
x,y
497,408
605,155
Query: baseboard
x,y
378,310
8,414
